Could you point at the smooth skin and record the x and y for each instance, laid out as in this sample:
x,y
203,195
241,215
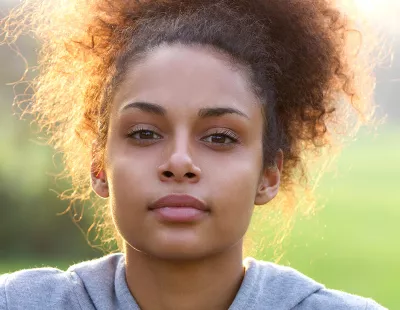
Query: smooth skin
x,y
185,121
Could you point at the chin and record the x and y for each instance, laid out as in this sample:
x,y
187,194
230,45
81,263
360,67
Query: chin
x,y
179,256
174,251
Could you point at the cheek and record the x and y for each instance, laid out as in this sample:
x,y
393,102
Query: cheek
x,y
239,176
129,180
235,192
130,187
125,168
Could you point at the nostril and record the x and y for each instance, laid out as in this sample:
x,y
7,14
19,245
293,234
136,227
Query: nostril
x,y
168,174
190,175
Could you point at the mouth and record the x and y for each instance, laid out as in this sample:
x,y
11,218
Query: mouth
x,y
179,209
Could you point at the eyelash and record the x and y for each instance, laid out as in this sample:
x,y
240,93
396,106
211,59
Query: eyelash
x,y
139,130
226,133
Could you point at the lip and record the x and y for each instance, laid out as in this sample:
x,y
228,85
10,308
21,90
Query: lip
x,y
176,201
179,208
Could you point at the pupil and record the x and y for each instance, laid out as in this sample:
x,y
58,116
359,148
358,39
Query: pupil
x,y
218,139
146,134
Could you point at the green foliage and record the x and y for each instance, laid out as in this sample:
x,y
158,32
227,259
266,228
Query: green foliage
x,y
30,206
351,244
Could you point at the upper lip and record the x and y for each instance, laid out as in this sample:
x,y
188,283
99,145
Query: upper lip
x,y
177,200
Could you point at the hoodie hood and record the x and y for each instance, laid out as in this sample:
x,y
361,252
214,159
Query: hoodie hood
x,y
101,285
265,285
270,286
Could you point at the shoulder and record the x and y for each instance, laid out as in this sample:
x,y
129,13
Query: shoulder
x,y
38,288
51,288
334,299
281,287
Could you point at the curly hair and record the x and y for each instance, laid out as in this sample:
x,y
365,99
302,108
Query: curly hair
x,y
308,64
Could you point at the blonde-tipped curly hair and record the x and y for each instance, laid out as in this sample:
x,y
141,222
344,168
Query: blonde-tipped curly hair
x,y
309,68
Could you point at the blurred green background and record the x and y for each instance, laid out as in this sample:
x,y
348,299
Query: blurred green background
x,y
351,244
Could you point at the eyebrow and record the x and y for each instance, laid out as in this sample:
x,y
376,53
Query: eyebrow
x,y
203,113
146,107
219,111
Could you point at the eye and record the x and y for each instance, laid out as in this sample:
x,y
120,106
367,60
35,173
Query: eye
x,y
222,138
144,136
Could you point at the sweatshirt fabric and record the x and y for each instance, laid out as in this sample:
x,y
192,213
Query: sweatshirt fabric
x,y
101,284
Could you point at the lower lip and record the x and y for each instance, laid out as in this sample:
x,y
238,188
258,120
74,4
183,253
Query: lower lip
x,y
179,214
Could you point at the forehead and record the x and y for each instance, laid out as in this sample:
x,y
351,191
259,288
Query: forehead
x,y
190,75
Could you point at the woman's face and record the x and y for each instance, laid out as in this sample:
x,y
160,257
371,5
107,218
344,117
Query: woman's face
x,y
184,121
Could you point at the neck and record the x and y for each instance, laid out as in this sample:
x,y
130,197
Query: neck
x,y
207,283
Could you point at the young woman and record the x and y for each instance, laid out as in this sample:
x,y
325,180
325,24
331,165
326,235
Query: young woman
x,y
182,115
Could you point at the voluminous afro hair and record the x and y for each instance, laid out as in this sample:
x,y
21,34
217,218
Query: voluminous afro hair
x,y
309,65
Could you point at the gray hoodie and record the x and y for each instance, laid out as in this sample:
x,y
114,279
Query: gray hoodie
x,y
100,284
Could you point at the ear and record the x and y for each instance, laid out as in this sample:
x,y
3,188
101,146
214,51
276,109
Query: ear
x,y
98,176
99,182
270,181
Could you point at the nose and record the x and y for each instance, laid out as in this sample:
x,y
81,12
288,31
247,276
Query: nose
x,y
179,166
